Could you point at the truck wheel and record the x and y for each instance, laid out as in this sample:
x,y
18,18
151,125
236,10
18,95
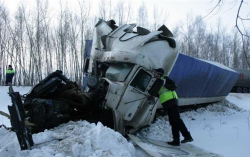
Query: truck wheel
x,y
245,90
92,82
239,90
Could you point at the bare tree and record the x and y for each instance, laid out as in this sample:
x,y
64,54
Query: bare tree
x,y
236,50
120,12
41,16
123,11
245,55
73,38
62,38
187,33
105,10
226,50
159,17
240,21
31,47
85,8
142,16
19,46
4,41
36,48
129,11
199,37
243,31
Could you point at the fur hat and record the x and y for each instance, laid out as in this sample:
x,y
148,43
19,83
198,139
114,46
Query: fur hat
x,y
159,71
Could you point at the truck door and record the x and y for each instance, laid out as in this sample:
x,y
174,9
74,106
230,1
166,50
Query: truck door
x,y
135,95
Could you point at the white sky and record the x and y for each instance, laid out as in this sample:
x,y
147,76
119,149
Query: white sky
x,y
177,9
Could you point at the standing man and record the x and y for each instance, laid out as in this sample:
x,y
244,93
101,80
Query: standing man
x,y
9,75
169,101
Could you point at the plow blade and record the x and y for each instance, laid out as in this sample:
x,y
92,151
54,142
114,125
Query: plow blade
x,y
17,116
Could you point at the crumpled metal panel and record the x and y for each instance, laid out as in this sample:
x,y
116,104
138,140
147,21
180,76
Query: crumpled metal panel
x,y
130,47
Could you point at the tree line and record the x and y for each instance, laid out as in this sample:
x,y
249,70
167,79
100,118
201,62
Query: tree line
x,y
36,43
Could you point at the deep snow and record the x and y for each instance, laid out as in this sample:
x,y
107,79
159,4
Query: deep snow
x,y
222,128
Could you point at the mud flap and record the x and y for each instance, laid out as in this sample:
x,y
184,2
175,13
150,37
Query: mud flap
x,y
17,115
157,148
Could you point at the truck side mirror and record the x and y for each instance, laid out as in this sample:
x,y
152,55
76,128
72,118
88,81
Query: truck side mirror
x,y
156,87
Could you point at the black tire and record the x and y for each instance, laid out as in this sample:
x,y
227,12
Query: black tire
x,y
245,90
92,82
239,90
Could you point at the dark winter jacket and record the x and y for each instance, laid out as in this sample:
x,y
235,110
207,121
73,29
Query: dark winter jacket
x,y
9,75
167,95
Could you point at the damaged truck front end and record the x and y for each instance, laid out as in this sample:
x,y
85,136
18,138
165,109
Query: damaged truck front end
x,y
124,57
121,100
129,96
121,86
55,100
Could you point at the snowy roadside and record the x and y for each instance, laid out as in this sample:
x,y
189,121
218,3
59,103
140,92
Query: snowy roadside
x,y
222,128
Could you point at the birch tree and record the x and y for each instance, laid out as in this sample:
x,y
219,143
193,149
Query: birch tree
x,y
159,17
105,10
4,42
142,16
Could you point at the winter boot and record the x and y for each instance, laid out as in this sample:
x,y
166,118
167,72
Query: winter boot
x,y
187,139
174,143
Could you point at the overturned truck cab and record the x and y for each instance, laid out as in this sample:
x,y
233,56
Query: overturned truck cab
x,y
124,58
121,84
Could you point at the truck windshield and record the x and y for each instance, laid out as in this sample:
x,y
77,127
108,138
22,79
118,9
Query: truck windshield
x,y
118,71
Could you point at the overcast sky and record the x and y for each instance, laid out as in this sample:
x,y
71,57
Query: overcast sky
x,y
177,9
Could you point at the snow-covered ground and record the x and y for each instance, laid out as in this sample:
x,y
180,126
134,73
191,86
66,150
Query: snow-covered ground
x,y
222,128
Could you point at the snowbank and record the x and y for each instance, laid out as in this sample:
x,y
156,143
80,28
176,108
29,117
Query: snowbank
x,y
221,128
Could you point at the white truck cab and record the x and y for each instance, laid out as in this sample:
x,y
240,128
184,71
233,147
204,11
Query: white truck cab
x,y
124,60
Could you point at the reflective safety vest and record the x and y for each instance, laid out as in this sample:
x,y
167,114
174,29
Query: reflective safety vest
x,y
9,71
165,94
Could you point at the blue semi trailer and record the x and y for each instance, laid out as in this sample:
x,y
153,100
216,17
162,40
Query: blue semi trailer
x,y
201,81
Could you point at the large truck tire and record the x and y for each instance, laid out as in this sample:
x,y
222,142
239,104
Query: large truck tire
x,y
245,90
239,90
